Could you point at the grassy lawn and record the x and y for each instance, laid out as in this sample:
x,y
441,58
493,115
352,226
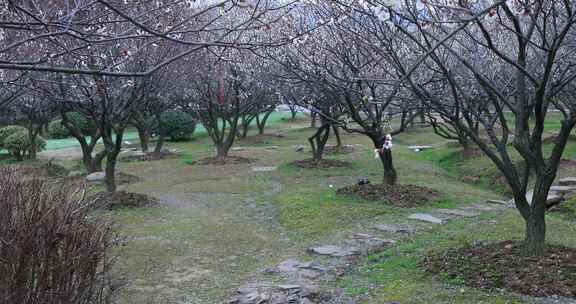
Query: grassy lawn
x,y
218,227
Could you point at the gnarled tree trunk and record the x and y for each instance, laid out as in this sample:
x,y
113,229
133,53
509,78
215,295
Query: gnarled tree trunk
x,y
318,141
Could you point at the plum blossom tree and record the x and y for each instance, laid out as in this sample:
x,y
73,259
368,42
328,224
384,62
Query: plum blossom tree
x,y
57,35
486,58
350,73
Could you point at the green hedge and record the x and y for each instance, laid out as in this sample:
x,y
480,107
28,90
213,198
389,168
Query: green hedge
x,y
5,132
174,124
86,126
19,144
57,130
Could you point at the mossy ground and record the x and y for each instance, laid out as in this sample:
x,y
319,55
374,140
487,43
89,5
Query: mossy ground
x,y
218,226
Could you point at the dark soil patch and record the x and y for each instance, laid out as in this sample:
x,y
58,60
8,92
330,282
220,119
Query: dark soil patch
x,y
320,164
260,139
502,266
553,138
152,156
221,161
567,209
472,153
41,170
406,196
568,163
123,199
125,178
344,149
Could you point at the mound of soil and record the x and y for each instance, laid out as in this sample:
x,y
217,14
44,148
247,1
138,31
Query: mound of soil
x,y
320,164
472,153
553,138
123,199
568,163
125,178
221,161
260,139
567,209
44,170
502,266
344,149
406,196
152,156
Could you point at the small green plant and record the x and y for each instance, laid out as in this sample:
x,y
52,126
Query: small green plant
x,y
57,130
5,132
175,125
86,126
20,145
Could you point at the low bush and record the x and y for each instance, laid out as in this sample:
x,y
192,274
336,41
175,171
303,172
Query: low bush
x,y
52,250
175,125
5,132
86,126
20,145
57,130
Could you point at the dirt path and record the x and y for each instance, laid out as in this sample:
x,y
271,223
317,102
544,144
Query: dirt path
x,y
207,237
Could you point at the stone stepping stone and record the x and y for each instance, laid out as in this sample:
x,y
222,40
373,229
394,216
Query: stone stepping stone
x,y
562,189
269,293
333,251
371,241
96,177
429,218
395,229
309,270
419,148
497,202
459,212
553,197
482,207
567,181
264,169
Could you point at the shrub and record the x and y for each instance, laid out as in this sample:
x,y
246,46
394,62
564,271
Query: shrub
x,y
5,132
176,125
57,130
52,250
86,126
19,144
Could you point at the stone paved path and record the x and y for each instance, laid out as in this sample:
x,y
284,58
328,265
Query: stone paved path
x,y
302,280
299,282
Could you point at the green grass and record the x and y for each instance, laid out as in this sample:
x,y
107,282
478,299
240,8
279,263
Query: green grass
x,y
54,144
399,277
219,226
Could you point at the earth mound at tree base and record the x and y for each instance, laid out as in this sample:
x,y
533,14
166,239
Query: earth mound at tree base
x,y
503,266
320,164
406,196
222,161
123,199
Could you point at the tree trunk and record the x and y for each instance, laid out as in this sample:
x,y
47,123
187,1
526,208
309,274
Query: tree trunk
x,y
337,135
111,171
535,241
17,155
159,143
261,123
318,141
113,148
245,127
144,139
222,150
313,117
32,134
390,174
96,164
